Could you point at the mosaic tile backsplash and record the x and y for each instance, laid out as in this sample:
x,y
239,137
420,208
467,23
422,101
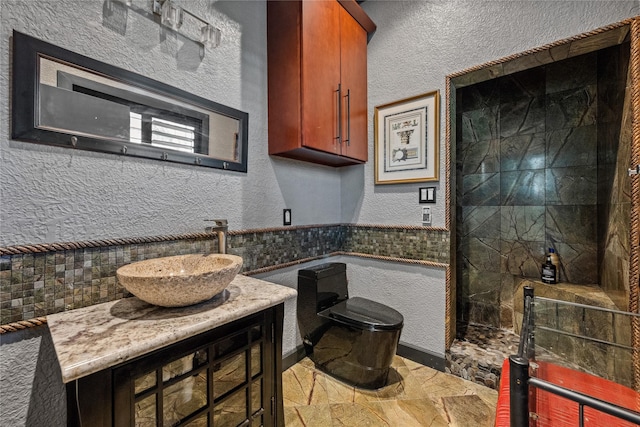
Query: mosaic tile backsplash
x,y
41,283
529,178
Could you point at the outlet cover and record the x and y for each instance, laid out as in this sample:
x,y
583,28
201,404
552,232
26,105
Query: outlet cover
x,y
286,217
426,216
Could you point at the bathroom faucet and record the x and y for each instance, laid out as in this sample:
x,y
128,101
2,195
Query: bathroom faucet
x,y
221,227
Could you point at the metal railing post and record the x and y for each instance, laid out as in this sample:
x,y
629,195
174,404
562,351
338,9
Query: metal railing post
x,y
519,391
519,366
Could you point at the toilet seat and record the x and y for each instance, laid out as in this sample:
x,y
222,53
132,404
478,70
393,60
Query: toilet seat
x,y
364,314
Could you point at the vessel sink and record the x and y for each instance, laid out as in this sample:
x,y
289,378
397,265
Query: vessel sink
x,y
178,281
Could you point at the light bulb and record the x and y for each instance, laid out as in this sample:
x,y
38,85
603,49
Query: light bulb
x,y
171,15
210,36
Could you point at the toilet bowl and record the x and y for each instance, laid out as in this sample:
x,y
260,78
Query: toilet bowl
x,y
352,339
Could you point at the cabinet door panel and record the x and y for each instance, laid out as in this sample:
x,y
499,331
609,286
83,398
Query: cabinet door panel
x,y
320,75
353,67
284,48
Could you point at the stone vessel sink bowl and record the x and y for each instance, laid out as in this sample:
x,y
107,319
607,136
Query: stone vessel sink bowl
x,y
178,281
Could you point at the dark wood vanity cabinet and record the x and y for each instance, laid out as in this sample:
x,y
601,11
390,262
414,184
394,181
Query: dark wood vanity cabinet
x,y
229,376
317,65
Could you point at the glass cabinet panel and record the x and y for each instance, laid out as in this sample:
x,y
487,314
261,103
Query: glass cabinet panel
x,y
256,360
256,333
177,367
256,396
201,421
229,374
145,382
215,379
232,411
184,398
145,415
229,345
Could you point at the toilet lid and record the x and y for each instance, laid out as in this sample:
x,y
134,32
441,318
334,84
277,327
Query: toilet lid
x,y
362,312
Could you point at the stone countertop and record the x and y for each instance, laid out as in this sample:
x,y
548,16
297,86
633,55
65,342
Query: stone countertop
x,y
90,339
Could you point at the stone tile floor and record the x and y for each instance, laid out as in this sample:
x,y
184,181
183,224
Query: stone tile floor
x,y
415,396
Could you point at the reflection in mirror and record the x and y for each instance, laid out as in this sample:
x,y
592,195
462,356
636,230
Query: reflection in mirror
x,y
79,102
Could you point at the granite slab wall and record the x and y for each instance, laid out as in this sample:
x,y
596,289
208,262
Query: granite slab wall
x,y
527,180
43,279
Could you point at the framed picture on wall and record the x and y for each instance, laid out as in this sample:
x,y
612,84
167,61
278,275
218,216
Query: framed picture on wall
x,y
406,139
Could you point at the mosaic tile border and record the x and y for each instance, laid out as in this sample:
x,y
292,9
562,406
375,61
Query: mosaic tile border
x,y
41,283
43,279
421,243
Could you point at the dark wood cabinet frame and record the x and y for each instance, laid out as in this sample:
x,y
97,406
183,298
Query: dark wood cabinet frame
x,y
107,398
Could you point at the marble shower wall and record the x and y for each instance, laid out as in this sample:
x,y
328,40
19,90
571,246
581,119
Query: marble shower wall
x,y
527,180
614,186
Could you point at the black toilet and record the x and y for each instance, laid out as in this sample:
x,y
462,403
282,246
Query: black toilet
x,y
352,339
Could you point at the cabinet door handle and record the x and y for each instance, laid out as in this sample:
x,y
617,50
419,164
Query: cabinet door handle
x,y
339,121
348,96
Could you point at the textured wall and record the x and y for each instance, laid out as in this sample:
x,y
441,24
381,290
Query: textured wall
x,y
30,380
418,43
57,194
53,194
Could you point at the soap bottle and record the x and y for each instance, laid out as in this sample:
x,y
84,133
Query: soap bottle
x,y
548,271
555,260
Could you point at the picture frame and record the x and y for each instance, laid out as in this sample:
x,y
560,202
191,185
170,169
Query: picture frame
x,y
406,139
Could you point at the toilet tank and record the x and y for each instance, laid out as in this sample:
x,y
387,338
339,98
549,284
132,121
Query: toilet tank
x,y
326,284
319,288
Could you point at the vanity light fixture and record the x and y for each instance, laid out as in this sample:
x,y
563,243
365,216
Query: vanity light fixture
x,y
210,36
173,16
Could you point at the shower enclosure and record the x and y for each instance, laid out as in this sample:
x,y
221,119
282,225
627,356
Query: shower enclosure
x,y
541,147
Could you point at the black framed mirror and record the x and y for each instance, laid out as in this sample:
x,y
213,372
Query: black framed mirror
x,y
66,99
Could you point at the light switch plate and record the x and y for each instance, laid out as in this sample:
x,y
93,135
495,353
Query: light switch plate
x,y
427,195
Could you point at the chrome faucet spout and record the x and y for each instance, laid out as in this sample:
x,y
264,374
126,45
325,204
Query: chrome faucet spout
x,y
221,228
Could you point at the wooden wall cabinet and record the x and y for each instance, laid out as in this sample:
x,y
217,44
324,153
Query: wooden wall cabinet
x,y
317,65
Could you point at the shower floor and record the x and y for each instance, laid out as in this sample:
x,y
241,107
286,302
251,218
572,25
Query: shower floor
x,y
477,354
